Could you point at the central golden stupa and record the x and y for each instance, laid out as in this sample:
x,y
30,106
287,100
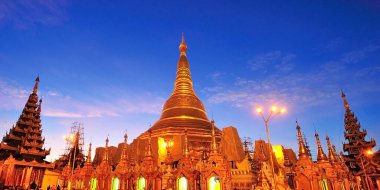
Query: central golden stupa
x,y
182,111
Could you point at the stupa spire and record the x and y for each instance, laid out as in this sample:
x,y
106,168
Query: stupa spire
x,y
302,152
183,46
186,145
321,155
332,157
345,102
149,150
213,143
124,155
183,83
105,157
89,154
35,89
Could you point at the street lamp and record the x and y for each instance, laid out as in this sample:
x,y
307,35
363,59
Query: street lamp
x,y
73,140
274,111
368,153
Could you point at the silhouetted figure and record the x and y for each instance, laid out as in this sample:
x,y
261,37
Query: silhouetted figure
x,y
33,185
48,188
58,187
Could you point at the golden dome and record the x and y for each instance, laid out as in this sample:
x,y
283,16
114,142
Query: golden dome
x,y
183,108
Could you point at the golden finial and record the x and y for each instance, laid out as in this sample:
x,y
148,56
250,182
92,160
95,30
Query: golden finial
x,y
105,158
89,154
344,100
183,46
213,143
321,155
125,137
186,145
35,89
302,148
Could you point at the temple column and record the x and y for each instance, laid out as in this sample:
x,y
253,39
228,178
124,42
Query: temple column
x,y
9,180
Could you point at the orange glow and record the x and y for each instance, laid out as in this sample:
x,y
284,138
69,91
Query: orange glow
x,y
164,144
274,108
259,110
369,152
278,152
283,110
170,144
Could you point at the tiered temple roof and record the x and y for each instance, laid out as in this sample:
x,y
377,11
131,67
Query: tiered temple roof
x,y
357,145
24,140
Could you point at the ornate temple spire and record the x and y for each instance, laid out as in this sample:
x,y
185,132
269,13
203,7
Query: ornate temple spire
x,y
338,157
149,150
345,102
89,154
183,83
356,143
183,46
332,157
35,89
214,148
124,154
306,144
105,156
183,100
302,152
321,154
186,145
25,139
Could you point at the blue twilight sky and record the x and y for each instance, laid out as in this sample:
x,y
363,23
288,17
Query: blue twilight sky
x,y
111,64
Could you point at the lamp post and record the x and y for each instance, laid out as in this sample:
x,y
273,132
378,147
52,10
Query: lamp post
x,y
73,140
368,153
274,111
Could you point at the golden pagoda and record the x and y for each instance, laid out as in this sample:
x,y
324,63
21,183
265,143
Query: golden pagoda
x,y
182,111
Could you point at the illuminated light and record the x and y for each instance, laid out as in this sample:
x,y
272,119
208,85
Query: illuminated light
x,y
141,183
182,183
283,110
259,110
369,152
274,108
115,183
279,154
164,144
93,183
214,183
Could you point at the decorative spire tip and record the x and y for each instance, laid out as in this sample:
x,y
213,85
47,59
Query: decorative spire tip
x,y
183,46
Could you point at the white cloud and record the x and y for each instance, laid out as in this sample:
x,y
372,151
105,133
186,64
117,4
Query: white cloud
x,y
310,88
62,106
276,59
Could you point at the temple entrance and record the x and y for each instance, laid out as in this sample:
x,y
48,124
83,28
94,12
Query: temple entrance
x,y
115,183
182,183
141,183
214,183
93,183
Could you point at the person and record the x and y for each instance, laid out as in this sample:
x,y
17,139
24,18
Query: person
x,y
48,188
58,187
33,185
